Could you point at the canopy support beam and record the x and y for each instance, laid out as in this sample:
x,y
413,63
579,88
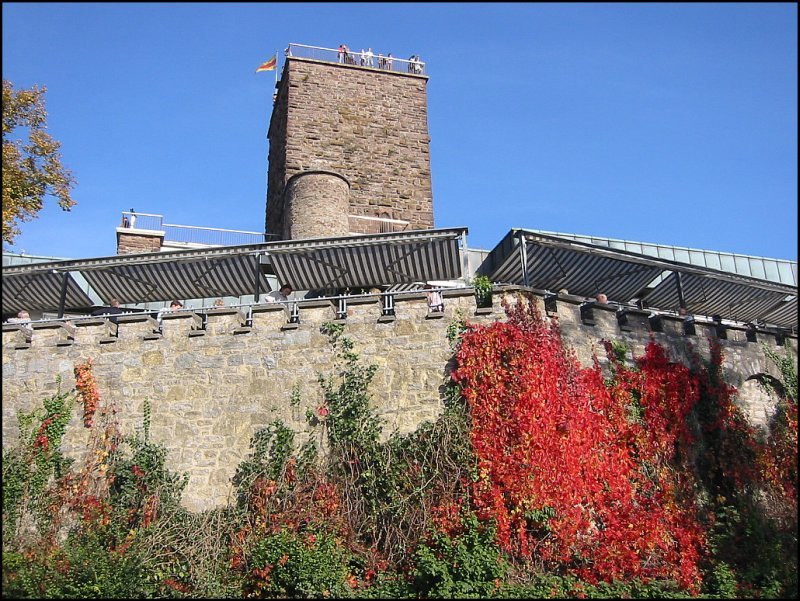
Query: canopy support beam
x,y
62,299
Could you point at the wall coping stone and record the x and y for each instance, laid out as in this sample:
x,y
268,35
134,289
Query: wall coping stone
x,y
267,307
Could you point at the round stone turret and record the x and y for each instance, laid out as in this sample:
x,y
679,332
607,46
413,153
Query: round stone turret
x,y
317,204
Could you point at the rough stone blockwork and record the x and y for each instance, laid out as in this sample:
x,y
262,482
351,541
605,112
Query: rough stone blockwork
x,y
209,393
128,244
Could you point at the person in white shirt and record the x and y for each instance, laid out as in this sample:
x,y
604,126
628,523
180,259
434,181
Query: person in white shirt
x,y
22,317
280,296
435,302
175,305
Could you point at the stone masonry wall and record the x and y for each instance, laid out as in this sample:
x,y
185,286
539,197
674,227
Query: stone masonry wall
x,y
368,125
211,390
136,242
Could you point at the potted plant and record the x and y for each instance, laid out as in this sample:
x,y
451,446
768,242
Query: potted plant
x,y
483,291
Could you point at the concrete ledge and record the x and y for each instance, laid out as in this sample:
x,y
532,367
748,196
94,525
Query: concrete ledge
x,y
221,311
263,308
96,321
313,303
363,300
132,317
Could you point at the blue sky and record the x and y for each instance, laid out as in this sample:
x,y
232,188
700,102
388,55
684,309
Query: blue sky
x,y
666,123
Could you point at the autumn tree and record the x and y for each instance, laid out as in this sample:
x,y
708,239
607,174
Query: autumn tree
x,y
32,166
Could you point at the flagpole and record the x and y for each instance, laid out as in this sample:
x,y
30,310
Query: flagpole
x,y
276,68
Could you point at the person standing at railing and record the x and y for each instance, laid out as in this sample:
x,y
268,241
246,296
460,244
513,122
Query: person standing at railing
x,y
435,301
389,62
132,220
174,306
280,296
22,317
341,53
112,309
283,296
368,62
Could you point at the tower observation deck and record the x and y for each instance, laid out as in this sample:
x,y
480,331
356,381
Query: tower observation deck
x,y
360,58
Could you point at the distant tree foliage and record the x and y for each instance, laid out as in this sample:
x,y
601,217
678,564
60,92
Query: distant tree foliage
x,y
32,166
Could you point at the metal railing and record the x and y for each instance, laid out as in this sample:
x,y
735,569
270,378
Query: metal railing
x,y
142,221
190,234
358,58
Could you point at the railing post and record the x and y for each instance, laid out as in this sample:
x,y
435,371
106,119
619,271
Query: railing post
x,y
388,304
341,312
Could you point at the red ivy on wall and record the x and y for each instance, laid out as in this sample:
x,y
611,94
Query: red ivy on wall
x,y
575,471
86,386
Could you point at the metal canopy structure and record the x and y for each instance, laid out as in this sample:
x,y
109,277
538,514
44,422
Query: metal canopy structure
x,y
380,259
222,271
401,258
709,296
42,291
762,268
551,263
225,275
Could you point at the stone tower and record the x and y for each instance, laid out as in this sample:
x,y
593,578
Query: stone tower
x,y
348,151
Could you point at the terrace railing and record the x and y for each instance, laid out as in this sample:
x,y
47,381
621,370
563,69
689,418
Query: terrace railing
x,y
193,235
377,61
188,234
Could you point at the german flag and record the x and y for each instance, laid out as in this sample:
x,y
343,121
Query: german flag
x,y
269,65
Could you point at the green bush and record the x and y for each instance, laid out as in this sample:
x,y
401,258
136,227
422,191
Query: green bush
x,y
83,568
483,291
468,564
299,564
34,463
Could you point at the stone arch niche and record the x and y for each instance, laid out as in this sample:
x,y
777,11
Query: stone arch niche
x,y
317,204
755,399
